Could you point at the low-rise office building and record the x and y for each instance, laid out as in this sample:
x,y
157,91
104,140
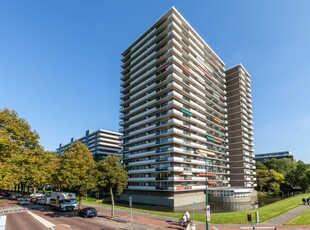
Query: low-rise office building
x,y
100,142
278,155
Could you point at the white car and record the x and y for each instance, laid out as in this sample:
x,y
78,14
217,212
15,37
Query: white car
x,y
33,196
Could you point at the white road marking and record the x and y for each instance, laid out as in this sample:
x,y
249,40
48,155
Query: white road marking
x,y
46,223
2,222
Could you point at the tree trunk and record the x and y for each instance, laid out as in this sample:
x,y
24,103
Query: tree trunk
x,y
112,200
79,202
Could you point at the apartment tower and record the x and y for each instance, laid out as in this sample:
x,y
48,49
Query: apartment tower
x,y
174,116
240,128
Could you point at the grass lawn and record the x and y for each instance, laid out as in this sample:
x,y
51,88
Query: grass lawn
x,y
240,217
265,212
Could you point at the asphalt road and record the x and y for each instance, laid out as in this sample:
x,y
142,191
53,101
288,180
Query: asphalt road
x,y
71,219
18,220
22,220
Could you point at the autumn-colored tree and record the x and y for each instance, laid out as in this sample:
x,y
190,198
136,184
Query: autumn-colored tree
x,y
77,170
113,176
41,166
17,141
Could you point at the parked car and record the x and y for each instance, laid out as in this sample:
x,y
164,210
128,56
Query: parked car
x,y
87,212
34,196
24,201
42,200
15,196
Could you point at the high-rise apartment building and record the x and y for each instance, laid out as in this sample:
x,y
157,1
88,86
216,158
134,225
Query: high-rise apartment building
x,y
100,142
174,116
240,128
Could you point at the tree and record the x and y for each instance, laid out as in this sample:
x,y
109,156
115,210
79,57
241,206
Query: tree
x,y
282,165
261,165
113,176
41,165
263,177
17,140
276,178
299,176
269,180
77,170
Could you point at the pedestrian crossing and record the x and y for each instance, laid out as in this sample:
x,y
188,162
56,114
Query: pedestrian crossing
x,y
18,208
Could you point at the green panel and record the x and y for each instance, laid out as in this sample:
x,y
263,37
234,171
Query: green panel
x,y
186,112
210,138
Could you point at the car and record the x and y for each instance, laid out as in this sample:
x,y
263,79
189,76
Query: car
x,y
35,196
14,196
42,200
24,201
87,212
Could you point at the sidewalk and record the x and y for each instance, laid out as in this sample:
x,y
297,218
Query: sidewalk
x,y
145,221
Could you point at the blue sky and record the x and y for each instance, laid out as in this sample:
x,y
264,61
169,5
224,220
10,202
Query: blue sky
x,y
60,61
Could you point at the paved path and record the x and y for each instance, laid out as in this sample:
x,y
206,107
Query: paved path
x,y
281,219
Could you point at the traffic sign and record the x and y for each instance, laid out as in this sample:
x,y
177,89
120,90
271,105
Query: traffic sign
x,y
130,201
208,213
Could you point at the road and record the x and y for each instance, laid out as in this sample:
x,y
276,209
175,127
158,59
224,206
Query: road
x,y
36,217
71,219
22,220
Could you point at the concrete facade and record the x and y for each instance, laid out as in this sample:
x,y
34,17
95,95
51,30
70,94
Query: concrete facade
x,y
240,128
100,142
173,115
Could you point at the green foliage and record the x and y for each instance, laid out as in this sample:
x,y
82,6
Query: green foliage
x,y
283,165
299,176
269,180
77,170
283,175
112,175
261,166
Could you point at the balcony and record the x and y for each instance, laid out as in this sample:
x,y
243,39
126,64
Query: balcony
x,y
162,187
140,179
160,159
144,188
162,168
162,178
